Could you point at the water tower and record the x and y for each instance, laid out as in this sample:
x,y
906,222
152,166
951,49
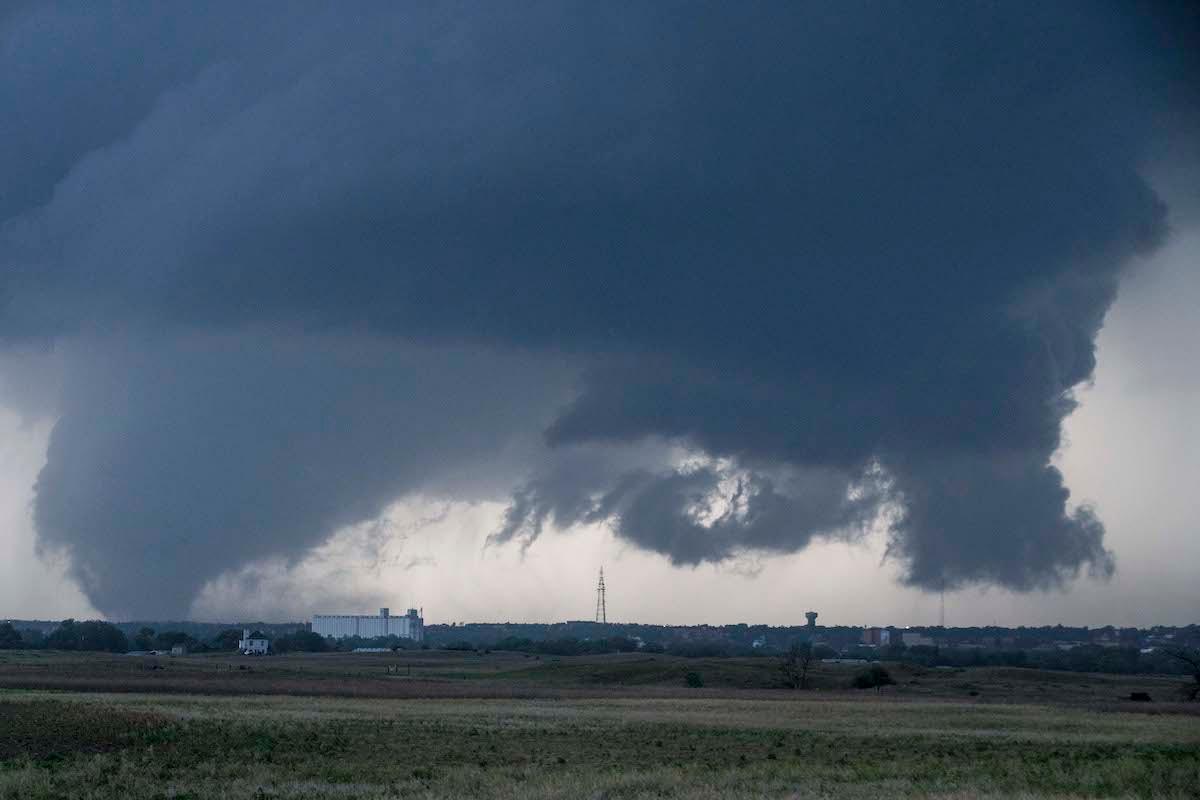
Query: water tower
x,y
811,616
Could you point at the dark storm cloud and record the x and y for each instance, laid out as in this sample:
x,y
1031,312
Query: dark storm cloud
x,y
696,512
844,241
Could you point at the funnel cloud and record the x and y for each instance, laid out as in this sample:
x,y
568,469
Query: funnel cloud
x,y
724,278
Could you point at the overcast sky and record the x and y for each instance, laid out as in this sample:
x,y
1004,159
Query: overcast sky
x,y
763,308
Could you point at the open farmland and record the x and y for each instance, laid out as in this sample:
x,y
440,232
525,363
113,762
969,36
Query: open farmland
x,y
435,724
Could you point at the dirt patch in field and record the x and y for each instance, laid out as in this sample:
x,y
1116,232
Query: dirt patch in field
x,y
43,730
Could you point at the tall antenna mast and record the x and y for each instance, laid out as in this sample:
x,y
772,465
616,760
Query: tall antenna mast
x,y
601,609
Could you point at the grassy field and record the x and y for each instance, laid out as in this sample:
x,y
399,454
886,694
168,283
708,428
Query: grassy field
x,y
438,725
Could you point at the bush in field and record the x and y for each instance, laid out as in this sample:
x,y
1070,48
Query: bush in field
x,y
567,646
699,649
347,644
693,679
519,644
872,678
620,644
301,642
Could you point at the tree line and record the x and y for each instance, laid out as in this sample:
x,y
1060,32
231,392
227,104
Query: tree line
x,y
99,636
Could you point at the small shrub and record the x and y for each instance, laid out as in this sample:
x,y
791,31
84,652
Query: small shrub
x,y
693,679
873,678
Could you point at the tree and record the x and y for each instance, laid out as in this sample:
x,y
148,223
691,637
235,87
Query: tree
x,y
620,644
1191,660
227,639
90,635
33,638
9,638
97,635
821,651
301,641
144,639
795,665
64,637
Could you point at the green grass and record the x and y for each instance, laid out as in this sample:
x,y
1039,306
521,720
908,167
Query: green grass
x,y
650,670
430,724
458,674
793,745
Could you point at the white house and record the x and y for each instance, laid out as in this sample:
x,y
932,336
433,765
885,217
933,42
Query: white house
x,y
253,644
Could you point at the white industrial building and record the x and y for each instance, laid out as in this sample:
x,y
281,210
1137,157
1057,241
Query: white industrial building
x,y
339,626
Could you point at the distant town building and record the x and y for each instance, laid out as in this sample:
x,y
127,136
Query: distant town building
x,y
876,637
179,650
914,639
761,641
253,644
340,626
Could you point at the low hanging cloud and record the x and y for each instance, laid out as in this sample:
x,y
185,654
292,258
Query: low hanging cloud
x,y
692,509
304,263
176,460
